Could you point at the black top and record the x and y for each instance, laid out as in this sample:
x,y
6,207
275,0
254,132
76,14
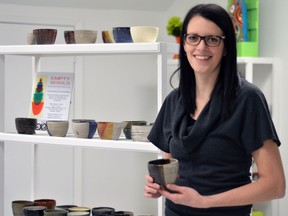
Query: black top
x,y
214,154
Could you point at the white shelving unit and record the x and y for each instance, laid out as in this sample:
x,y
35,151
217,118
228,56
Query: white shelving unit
x,y
260,71
36,52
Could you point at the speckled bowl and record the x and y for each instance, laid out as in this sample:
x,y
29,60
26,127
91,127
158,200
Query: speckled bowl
x,y
122,35
85,36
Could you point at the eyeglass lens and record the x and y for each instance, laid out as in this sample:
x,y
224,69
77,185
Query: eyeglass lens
x,y
209,40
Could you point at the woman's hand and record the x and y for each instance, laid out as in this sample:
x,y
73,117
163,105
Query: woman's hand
x,y
151,189
184,196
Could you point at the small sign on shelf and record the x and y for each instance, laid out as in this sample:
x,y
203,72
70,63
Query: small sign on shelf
x,y
51,96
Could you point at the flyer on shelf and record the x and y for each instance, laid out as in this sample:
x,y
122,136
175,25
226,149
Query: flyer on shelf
x,y
51,96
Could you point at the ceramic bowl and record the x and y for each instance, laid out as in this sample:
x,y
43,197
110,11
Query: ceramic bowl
x,y
144,34
80,209
69,37
140,132
57,128
65,207
127,128
26,125
99,211
84,128
45,36
85,36
48,203
122,35
123,213
34,210
163,171
55,212
18,205
78,214
110,130
107,37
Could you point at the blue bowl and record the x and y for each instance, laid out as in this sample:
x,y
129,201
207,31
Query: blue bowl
x,y
122,35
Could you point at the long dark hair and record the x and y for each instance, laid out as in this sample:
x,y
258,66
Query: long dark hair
x,y
228,76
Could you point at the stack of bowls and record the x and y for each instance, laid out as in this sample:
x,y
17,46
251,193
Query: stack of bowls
x,y
140,132
122,35
144,34
110,130
77,211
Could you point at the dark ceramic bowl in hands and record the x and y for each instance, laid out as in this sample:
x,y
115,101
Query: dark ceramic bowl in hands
x,y
164,171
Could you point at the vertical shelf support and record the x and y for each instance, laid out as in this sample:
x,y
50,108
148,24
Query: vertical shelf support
x,y
162,80
2,124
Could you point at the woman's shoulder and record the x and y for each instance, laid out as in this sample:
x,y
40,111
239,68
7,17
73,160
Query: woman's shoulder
x,y
173,95
247,89
250,93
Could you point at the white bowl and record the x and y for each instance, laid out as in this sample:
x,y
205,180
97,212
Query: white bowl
x,y
85,36
144,34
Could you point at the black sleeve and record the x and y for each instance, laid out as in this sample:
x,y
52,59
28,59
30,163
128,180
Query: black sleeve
x,y
161,132
257,122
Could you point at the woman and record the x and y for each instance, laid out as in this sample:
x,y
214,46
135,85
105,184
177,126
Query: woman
x,y
215,124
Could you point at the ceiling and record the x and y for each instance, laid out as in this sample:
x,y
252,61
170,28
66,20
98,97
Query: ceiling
x,y
149,5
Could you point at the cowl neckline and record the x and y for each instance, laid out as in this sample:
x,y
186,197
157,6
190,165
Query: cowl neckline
x,y
192,136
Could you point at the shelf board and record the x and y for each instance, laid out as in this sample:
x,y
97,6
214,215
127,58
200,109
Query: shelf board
x,y
240,60
87,49
70,140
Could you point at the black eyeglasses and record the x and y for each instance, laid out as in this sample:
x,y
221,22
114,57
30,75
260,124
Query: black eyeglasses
x,y
211,40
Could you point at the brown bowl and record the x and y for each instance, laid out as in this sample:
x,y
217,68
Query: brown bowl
x,y
48,203
45,36
69,37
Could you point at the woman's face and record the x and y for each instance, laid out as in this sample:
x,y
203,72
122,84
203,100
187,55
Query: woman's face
x,y
205,60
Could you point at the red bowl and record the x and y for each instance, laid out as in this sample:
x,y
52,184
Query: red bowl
x,y
48,203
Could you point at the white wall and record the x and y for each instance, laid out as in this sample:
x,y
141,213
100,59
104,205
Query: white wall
x,y
273,34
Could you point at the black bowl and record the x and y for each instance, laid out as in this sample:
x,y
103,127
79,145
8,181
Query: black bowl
x,y
100,211
26,125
